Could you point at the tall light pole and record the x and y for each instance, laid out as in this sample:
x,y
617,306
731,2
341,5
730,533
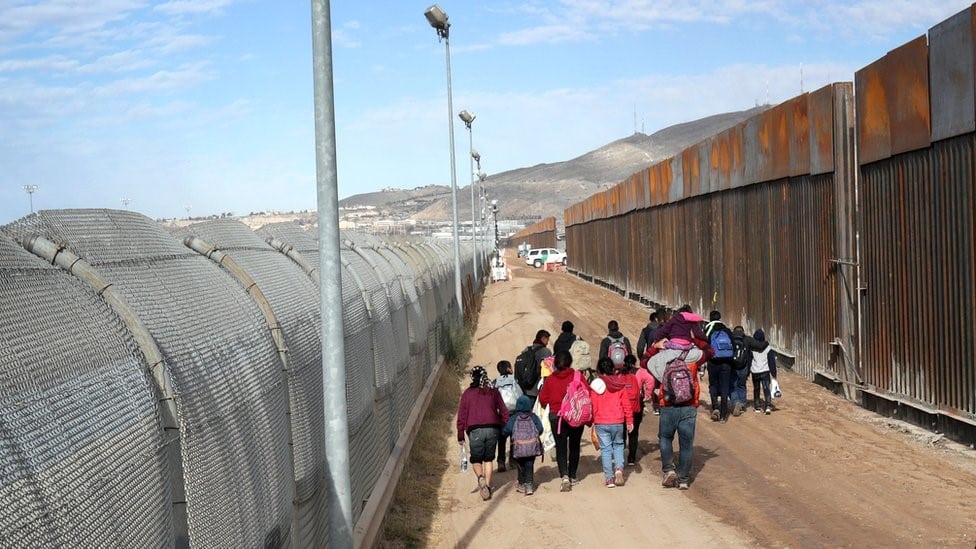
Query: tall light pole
x,y
483,201
468,119
30,190
438,19
494,214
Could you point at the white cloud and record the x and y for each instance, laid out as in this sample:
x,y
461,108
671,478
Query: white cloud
x,y
70,16
545,34
123,61
172,43
54,63
165,80
184,7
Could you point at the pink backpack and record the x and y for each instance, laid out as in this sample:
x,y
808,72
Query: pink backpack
x,y
577,408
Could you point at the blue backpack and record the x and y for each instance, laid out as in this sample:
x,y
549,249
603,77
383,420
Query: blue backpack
x,y
721,343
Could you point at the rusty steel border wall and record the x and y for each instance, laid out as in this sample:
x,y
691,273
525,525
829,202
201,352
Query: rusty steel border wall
x,y
750,212
541,234
850,240
917,151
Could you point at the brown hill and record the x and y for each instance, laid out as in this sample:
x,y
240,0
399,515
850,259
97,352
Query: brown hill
x,y
548,189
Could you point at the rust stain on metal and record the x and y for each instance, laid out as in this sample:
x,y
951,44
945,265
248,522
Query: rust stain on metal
x,y
692,171
821,108
906,81
799,135
873,127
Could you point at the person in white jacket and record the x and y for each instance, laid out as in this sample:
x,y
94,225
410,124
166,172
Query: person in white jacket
x,y
762,369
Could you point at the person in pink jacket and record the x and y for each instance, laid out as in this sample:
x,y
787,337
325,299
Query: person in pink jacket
x,y
611,411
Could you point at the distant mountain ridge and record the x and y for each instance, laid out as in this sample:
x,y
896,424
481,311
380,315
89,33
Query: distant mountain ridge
x,y
547,190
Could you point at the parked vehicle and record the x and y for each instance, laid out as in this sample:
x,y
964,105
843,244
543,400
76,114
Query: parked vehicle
x,y
540,256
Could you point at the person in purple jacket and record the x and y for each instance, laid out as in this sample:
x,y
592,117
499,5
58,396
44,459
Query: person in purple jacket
x,y
481,415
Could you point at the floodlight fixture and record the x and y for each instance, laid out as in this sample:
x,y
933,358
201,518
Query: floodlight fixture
x,y
475,155
467,118
482,176
438,19
30,190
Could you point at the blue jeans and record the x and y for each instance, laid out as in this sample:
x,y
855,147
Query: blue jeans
x,y
739,378
680,419
611,447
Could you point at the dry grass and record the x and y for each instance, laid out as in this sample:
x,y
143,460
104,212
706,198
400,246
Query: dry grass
x,y
416,502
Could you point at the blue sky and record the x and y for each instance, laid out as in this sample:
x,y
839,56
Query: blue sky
x,y
208,103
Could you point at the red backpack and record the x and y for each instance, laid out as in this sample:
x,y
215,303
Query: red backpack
x,y
577,408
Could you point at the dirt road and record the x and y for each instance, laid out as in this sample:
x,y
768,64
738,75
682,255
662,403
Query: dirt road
x,y
818,472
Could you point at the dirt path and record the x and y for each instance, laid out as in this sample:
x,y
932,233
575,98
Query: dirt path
x,y
818,472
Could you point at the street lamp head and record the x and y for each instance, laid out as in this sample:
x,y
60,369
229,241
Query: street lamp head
x,y
475,155
438,19
482,176
467,118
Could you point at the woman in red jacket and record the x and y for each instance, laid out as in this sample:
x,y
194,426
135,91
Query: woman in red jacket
x,y
567,438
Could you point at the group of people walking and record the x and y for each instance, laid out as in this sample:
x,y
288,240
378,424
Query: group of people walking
x,y
672,354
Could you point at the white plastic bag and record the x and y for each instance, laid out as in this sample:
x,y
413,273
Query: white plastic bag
x,y
774,388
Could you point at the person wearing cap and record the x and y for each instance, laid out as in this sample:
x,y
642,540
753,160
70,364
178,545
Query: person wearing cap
x,y
481,415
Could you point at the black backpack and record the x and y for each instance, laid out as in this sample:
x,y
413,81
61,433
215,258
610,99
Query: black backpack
x,y
526,369
741,355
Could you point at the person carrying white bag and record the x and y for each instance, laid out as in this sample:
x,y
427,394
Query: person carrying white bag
x,y
763,370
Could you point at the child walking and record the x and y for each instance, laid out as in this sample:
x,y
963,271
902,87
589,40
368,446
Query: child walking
x,y
510,391
524,427
611,411
763,366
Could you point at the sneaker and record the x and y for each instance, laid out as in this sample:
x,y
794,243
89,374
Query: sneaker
x,y
768,410
611,483
724,419
501,467
483,489
757,410
631,462
682,486
657,412
573,481
715,415
529,490
618,477
670,479
565,485
520,488
737,411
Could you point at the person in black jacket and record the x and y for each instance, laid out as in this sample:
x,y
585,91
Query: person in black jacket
x,y
719,367
740,369
565,339
613,334
646,338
